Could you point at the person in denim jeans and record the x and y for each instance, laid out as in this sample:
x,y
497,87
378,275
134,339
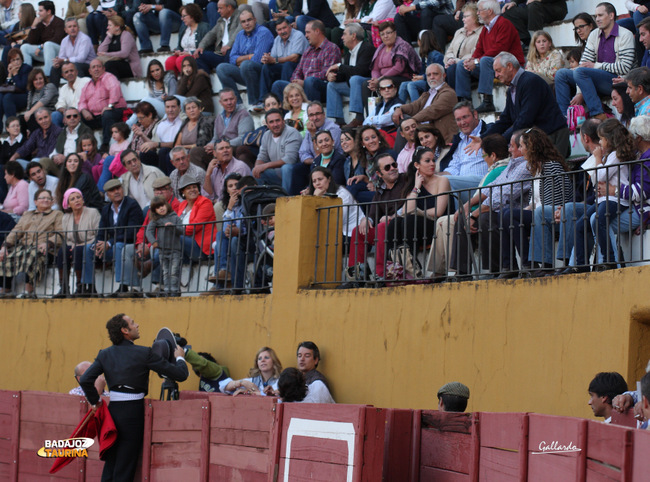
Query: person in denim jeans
x,y
159,17
609,53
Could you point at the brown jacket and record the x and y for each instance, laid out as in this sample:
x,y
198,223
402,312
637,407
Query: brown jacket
x,y
35,227
87,227
440,113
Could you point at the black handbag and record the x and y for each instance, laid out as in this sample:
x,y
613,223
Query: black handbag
x,y
254,138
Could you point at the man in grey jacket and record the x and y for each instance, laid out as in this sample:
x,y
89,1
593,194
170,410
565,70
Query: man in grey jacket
x,y
213,48
278,152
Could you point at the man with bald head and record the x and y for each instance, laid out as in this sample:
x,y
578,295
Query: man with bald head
x,y
100,383
102,103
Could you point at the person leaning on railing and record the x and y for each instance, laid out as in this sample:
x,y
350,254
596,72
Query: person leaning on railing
x,y
79,226
27,246
427,198
616,147
553,189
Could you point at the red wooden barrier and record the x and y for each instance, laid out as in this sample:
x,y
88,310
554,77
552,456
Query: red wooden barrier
x,y
609,452
626,419
9,434
504,447
640,455
179,441
48,416
556,465
398,445
448,446
327,442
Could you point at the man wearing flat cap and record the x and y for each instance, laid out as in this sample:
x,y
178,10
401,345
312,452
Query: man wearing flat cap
x,y
453,397
118,224
139,259
126,367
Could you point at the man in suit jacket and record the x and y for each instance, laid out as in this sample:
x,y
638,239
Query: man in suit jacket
x,y
213,48
118,225
436,106
126,368
347,78
529,102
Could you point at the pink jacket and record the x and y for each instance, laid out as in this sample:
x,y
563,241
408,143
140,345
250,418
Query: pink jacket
x,y
128,52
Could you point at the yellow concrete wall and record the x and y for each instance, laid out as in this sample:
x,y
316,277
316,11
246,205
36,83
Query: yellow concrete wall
x,y
527,345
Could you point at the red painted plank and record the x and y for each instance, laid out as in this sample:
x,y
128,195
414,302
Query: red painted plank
x,y
176,455
145,467
43,407
545,467
414,472
247,438
310,470
220,473
597,472
503,430
94,470
447,421
177,415
248,413
609,446
431,474
501,465
626,419
320,450
175,474
34,434
446,450
240,457
640,458
205,442
380,423
32,467
164,436
276,439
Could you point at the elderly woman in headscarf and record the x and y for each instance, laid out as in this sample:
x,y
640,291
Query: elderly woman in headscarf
x,y
26,247
80,225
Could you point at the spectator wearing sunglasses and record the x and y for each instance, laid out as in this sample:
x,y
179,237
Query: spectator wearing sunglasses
x,y
385,106
66,142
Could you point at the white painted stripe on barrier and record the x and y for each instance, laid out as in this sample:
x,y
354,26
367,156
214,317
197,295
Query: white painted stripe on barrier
x,y
321,429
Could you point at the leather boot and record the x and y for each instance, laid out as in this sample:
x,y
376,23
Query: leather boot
x,y
487,105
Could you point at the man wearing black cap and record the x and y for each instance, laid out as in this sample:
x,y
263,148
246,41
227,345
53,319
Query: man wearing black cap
x,y
453,397
126,368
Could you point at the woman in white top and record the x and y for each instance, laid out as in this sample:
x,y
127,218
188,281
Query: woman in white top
x,y
295,103
321,183
292,388
262,378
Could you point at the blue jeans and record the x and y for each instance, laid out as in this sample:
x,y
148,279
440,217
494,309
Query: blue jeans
x,y
314,88
212,13
583,235
271,73
571,212
410,91
458,183
451,76
483,72
114,253
10,103
295,177
106,174
271,178
632,21
57,118
515,233
130,275
565,87
337,90
164,22
225,253
248,74
593,83
209,60
96,23
156,103
302,21
543,235
49,52
191,250
609,220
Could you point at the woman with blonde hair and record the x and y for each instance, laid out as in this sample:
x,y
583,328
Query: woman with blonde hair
x,y
543,58
463,44
118,52
262,378
295,103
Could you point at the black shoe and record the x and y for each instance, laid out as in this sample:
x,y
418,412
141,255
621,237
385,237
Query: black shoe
x,y
576,270
486,106
146,51
509,275
605,267
164,48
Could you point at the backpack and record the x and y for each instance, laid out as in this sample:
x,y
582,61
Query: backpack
x,y
575,116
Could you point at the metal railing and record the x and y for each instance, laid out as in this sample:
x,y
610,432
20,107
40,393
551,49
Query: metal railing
x,y
519,234
77,264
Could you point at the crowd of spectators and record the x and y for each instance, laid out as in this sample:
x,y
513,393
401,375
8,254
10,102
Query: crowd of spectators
x,y
414,137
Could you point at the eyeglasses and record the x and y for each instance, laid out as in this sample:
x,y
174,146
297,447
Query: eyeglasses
x,y
72,116
580,27
390,166
386,87
386,33
316,114
44,198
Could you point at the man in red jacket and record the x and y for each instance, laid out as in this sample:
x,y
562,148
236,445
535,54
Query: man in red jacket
x,y
499,35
